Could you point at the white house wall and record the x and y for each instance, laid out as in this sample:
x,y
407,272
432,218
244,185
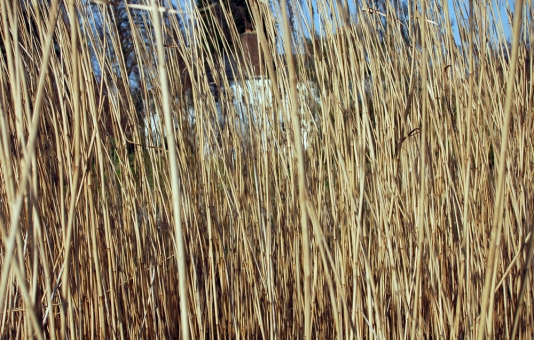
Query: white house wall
x,y
258,94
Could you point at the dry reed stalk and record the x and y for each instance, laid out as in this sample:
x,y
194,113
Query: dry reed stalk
x,y
360,105
296,142
496,229
422,204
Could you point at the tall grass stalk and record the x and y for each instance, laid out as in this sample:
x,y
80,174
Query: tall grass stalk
x,y
421,205
175,179
370,181
296,143
496,229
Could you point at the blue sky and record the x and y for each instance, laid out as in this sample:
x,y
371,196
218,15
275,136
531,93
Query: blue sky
x,y
500,10
498,7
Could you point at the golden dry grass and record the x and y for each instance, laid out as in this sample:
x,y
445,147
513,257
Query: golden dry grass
x,y
379,228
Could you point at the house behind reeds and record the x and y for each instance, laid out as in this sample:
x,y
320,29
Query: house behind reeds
x,y
242,93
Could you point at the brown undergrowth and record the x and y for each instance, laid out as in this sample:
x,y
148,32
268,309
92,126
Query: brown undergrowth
x,y
97,177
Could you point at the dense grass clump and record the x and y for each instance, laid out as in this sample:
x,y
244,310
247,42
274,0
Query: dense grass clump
x,y
371,180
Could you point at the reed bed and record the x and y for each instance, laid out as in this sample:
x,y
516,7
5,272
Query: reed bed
x,y
385,224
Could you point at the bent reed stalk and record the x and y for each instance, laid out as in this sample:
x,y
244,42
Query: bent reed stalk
x,y
342,184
